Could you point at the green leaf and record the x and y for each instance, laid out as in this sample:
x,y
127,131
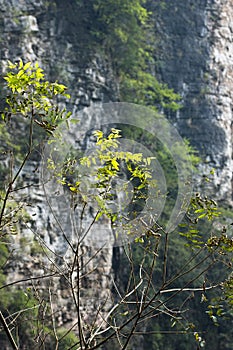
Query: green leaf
x,y
73,189
139,240
115,164
98,216
202,216
74,121
27,65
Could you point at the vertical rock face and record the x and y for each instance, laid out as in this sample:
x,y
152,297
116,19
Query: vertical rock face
x,y
53,33
195,57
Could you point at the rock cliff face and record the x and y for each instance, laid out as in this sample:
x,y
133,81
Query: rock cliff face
x,y
195,57
52,34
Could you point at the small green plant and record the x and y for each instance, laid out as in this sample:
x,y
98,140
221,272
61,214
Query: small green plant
x,y
33,97
31,102
122,30
200,208
103,167
155,283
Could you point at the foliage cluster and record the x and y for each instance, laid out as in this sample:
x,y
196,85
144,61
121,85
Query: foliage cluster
x,y
156,287
33,97
123,30
93,177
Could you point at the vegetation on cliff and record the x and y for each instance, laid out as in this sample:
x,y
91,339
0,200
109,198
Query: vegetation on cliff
x,y
122,31
171,290
157,292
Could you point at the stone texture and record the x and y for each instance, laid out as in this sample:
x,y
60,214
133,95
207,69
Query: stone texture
x,y
195,57
48,32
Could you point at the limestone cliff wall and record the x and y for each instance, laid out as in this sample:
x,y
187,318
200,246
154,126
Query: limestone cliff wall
x,y
195,57
53,33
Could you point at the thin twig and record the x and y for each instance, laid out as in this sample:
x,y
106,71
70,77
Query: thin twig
x,y
29,279
53,319
8,332
165,259
188,289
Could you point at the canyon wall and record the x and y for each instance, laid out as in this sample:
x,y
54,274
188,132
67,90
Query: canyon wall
x,y
194,56
52,34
